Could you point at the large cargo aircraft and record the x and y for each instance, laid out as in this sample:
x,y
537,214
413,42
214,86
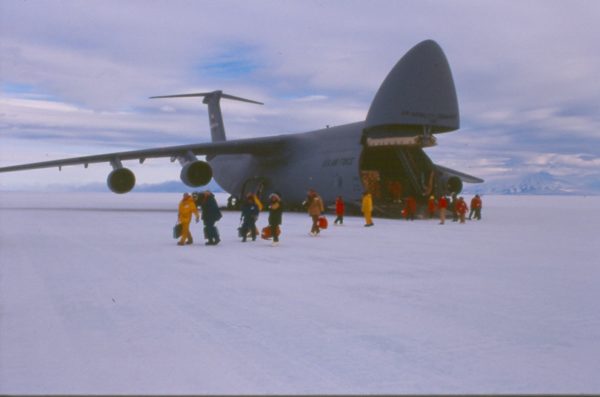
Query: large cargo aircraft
x,y
382,154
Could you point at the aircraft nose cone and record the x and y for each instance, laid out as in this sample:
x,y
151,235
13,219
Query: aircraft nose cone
x,y
418,91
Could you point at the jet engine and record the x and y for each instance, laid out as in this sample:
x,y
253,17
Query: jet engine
x,y
449,184
121,180
196,173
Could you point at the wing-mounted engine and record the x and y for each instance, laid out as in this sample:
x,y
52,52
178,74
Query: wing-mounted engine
x,y
451,181
448,184
194,172
120,180
416,100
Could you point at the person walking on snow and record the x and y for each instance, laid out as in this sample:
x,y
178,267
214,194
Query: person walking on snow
x,y
275,215
442,205
315,207
249,216
210,215
461,209
453,203
410,208
367,208
475,207
187,208
339,210
431,206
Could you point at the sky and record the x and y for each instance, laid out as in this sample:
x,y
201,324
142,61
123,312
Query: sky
x,y
75,78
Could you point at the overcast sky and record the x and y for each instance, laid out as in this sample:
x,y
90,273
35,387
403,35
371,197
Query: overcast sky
x,y
75,77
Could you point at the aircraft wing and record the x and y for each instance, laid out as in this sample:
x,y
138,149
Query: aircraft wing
x,y
264,145
464,177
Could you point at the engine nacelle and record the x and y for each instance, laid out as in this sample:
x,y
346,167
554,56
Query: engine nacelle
x,y
121,180
196,173
450,184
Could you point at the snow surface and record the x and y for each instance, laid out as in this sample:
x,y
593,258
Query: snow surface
x,y
96,298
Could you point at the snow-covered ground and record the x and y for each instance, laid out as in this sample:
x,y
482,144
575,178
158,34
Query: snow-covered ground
x,y
96,298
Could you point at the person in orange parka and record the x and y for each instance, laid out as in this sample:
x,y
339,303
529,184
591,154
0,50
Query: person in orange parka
x,y
339,210
431,206
442,205
187,208
461,209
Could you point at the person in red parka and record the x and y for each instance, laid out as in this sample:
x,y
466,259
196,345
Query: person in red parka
x,y
431,206
442,205
410,208
461,209
339,210
475,207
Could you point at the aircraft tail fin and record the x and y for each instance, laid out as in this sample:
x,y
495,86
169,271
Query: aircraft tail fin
x,y
215,117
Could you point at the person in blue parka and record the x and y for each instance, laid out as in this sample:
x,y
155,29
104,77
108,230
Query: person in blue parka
x,y
249,216
210,215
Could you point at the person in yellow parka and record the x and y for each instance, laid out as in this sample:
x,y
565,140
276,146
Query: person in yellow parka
x,y
367,208
187,207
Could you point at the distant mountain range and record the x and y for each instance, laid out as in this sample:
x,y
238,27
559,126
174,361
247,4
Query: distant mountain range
x,y
175,187
164,187
541,183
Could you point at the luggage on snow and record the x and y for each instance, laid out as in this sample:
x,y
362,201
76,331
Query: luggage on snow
x,y
266,232
177,230
323,222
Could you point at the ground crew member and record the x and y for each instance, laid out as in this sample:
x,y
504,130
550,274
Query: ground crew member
x,y
339,210
187,208
367,208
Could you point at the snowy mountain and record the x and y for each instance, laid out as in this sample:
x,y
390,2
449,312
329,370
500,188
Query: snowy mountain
x,y
540,183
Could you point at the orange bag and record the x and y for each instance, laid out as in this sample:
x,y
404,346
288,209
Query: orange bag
x,y
323,222
266,232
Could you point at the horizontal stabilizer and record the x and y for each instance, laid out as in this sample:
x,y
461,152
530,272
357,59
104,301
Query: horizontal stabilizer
x,y
206,94
464,177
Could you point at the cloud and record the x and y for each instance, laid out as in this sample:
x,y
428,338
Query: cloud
x,y
81,73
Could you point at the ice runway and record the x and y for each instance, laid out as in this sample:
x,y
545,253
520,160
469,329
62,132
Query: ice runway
x,y
96,298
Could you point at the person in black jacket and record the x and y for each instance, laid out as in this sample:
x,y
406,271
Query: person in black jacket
x,y
210,215
275,215
249,217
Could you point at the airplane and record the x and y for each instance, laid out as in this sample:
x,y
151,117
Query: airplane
x,y
382,154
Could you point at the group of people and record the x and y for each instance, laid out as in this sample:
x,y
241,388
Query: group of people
x,y
457,206
250,210
211,214
251,207
188,207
